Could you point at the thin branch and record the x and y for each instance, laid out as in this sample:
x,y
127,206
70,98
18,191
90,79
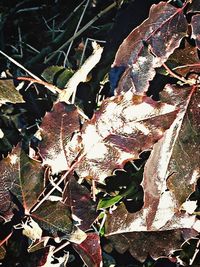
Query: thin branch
x,y
79,157
77,27
61,247
47,85
19,65
72,13
173,74
103,12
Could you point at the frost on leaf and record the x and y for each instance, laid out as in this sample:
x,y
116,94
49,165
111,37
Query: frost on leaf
x,y
170,174
195,23
21,176
148,46
57,148
152,243
120,130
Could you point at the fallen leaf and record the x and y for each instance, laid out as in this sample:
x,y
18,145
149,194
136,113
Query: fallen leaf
x,y
142,244
90,250
23,177
120,130
9,93
185,60
148,46
78,198
176,157
56,132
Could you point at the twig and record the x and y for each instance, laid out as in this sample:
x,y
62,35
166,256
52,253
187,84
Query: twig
x,y
19,65
77,27
72,13
27,71
107,9
79,157
20,41
61,247
195,253
182,79
47,85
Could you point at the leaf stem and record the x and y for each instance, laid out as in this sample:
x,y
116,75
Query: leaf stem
x,y
61,247
47,85
173,74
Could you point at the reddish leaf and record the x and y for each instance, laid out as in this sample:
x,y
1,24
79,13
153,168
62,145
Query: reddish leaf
x,y
78,198
195,23
23,177
142,244
56,131
120,130
184,161
162,33
175,156
90,250
185,60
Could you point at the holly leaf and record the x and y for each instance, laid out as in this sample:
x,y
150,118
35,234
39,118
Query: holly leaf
x,y
149,45
56,132
173,164
90,250
195,23
23,178
150,243
78,198
120,130
9,93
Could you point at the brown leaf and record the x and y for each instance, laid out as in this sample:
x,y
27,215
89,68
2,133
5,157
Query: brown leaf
x,y
161,33
78,198
90,250
54,216
142,244
21,176
176,154
56,131
185,60
8,92
120,130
